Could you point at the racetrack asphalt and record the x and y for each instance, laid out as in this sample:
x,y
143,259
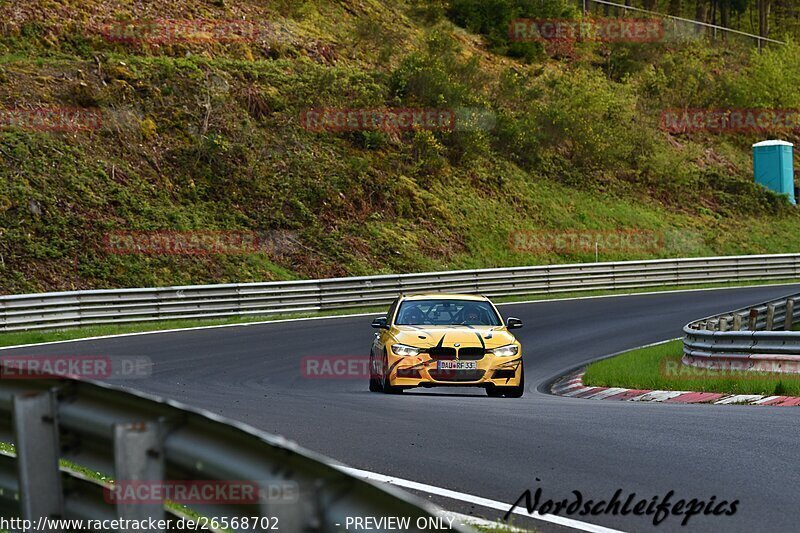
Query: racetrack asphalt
x,y
462,440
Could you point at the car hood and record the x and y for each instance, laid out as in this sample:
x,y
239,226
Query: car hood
x,y
428,336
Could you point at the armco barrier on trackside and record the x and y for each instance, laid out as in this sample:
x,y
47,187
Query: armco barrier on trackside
x,y
245,479
80,308
758,338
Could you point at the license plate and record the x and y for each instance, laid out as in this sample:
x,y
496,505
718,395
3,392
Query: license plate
x,y
458,365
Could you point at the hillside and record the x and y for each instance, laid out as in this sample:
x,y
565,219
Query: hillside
x,y
197,132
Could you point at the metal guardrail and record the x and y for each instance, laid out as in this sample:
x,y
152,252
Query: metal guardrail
x,y
81,308
696,24
758,333
135,438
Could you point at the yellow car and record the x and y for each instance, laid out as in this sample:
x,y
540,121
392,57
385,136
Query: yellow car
x,y
430,340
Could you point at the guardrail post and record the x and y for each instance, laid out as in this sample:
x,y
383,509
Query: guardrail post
x,y
723,324
288,507
38,452
770,316
789,319
753,319
138,459
737,322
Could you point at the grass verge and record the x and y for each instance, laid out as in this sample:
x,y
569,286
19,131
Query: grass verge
x,y
500,529
659,368
32,337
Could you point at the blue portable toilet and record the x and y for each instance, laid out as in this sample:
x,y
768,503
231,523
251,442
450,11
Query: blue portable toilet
x,y
773,166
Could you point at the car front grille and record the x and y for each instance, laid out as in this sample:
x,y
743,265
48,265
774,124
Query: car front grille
x,y
438,353
471,354
465,354
456,375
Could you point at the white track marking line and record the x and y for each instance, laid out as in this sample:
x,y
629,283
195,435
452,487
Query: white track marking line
x,y
658,396
765,399
354,315
739,398
562,390
637,398
605,393
578,391
176,330
476,500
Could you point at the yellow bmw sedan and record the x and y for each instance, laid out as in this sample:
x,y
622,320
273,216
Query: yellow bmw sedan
x,y
431,340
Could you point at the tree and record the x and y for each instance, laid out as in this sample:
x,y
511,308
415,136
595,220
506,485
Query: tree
x,y
701,10
763,17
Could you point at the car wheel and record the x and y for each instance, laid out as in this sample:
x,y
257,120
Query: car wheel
x,y
375,384
493,392
387,386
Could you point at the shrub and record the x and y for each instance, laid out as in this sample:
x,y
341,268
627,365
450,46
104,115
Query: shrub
x,y
772,79
493,17
590,119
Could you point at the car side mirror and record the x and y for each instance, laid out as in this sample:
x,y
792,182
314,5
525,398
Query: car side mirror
x,y
513,323
380,323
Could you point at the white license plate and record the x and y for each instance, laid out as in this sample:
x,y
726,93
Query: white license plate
x,y
458,365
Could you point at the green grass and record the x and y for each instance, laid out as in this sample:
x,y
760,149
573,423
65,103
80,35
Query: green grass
x,y
659,368
207,136
34,337
501,529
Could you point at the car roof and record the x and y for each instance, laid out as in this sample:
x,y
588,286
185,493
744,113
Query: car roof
x,y
446,296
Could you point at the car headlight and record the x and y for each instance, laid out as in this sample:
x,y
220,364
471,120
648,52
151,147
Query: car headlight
x,y
506,351
405,350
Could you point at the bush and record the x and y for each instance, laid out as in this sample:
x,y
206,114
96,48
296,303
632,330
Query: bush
x,y
590,119
771,80
682,78
429,12
492,18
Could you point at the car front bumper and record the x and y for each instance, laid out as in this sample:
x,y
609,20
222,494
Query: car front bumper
x,y
423,371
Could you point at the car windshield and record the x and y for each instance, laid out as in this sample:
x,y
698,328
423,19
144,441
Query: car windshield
x,y
447,313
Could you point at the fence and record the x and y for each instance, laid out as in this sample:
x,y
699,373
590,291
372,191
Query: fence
x,y
81,308
682,26
758,337
142,441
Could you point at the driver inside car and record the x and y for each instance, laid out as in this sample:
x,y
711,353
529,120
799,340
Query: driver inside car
x,y
412,316
471,316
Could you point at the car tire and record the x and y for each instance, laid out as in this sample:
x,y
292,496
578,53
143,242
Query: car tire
x,y
492,391
375,383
